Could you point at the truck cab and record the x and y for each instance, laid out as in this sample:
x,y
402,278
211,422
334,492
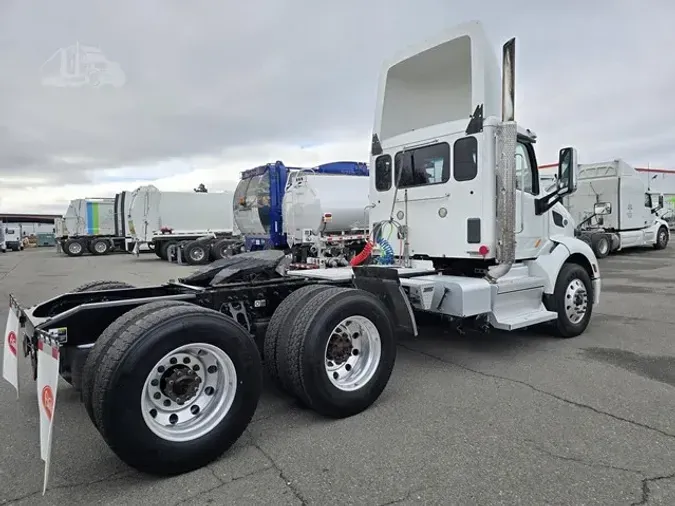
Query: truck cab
x,y
455,195
13,238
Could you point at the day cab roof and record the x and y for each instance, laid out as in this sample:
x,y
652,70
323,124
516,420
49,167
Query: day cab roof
x,y
440,80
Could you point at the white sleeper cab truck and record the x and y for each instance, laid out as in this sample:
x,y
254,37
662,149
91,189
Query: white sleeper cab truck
x,y
613,210
171,374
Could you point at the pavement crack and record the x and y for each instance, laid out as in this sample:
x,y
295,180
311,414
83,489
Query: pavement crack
x,y
544,392
221,483
645,488
292,487
114,477
406,497
579,460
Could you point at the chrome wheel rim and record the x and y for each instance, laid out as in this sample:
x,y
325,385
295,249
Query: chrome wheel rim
x,y
75,247
353,353
188,392
197,254
100,247
576,301
603,247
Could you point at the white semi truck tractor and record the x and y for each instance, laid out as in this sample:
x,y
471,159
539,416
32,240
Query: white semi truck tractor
x,y
171,374
613,210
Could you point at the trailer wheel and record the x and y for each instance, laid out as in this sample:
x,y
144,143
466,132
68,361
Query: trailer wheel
x,y
177,389
279,327
662,238
573,301
196,253
105,341
163,246
74,247
100,247
340,352
221,249
601,245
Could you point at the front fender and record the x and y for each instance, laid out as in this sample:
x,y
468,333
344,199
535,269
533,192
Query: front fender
x,y
547,266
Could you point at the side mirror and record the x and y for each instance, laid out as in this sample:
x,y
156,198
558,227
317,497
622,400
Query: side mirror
x,y
602,208
568,171
660,201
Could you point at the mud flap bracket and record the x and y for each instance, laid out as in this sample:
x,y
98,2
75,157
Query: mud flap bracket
x,y
384,283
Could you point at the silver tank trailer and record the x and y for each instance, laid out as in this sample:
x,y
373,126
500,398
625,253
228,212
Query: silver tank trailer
x,y
324,204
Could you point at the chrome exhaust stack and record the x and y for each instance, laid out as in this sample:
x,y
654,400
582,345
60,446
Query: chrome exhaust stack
x,y
505,170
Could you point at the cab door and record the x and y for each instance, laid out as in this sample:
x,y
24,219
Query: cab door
x,y
531,229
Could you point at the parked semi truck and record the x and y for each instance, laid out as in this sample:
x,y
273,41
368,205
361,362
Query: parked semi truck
x,y
170,374
630,213
89,225
186,223
319,214
13,239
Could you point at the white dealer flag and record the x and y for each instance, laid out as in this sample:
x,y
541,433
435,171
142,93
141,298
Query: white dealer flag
x,y
47,383
10,361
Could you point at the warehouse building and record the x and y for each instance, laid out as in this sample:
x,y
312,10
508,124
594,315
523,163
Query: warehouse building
x,y
38,229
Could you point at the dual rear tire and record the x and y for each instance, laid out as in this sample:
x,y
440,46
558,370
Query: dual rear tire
x,y
185,380
171,386
333,349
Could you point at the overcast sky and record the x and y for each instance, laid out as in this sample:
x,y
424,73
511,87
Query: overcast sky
x,y
207,88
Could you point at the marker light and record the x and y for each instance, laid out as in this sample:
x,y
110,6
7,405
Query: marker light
x,y
483,250
442,212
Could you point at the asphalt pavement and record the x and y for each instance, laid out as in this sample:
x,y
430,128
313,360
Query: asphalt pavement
x,y
498,419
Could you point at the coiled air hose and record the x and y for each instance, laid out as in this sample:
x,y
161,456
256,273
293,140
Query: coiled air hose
x,y
387,258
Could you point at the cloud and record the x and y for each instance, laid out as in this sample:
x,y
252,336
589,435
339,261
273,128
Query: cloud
x,y
212,88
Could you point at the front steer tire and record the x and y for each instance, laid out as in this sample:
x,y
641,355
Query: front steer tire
x,y
563,326
303,356
127,363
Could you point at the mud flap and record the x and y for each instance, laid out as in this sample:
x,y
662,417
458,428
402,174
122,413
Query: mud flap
x,y
10,359
47,384
384,283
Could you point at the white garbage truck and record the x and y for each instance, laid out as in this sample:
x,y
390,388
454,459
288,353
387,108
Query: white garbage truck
x,y
179,223
613,210
170,374
89,225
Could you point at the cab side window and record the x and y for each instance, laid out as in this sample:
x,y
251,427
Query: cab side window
x,y
524,175
383,176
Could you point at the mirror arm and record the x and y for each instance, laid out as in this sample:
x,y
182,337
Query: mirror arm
x,y
546,202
